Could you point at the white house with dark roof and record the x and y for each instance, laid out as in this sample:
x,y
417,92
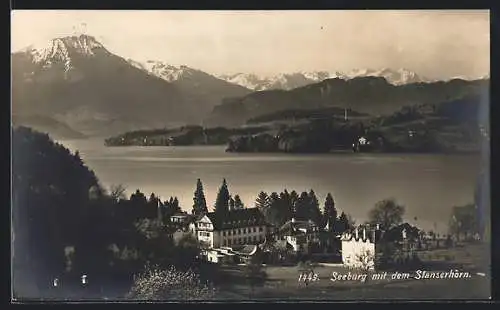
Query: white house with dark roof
x,y
236,227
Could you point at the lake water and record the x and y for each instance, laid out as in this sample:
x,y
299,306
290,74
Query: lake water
x,y
427,185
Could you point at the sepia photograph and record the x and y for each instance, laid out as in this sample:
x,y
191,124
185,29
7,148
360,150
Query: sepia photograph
x,y
239,156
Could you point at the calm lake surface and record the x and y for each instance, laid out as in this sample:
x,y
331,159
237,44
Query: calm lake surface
x,y
427,185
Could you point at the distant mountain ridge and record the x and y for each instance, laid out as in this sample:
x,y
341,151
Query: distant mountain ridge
x,y
288,81
371,95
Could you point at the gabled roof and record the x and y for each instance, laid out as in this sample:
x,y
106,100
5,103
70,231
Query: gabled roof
x,y
237,218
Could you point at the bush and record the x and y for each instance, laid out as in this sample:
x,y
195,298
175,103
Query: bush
x,y
157,284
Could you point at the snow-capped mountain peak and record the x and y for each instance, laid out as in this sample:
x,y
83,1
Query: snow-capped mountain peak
x,y
169,73
292,80
63,49
396,77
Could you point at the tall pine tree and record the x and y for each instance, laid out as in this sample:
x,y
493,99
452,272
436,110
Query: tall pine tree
x,y
302,207
329,212
314,213
175,205
222,200
199,201
262,201
272,212
294,198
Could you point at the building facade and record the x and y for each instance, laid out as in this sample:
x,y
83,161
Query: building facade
x,y
370,247
359,248
235,227
300,235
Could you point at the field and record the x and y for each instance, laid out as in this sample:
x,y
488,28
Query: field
x,y
282,282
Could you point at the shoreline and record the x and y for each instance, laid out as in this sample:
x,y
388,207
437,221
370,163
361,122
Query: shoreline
x,y
332,152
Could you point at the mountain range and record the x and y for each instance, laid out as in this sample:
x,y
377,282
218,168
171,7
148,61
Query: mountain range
x,y
77,81
287,81
369,95
73,86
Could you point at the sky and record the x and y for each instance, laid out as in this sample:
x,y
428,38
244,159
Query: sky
x,y
434,44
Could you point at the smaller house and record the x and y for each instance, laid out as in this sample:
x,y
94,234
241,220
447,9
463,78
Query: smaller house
x,y
220,256
299,235
180,218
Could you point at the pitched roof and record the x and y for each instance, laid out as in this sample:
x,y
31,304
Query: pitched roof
x,y
237,218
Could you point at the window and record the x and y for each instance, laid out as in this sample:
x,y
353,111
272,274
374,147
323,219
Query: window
x,y
229,242
225,242
239,231
244,230
229,233
223,233
240,241
254,238
254,229
260,229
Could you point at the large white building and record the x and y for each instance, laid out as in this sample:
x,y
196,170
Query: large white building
x,y
236,227
359,248
362,246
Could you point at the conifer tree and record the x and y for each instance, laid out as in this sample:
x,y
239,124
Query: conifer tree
x,y
314,213
294,197
199,201
262,201
329,211
222,200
